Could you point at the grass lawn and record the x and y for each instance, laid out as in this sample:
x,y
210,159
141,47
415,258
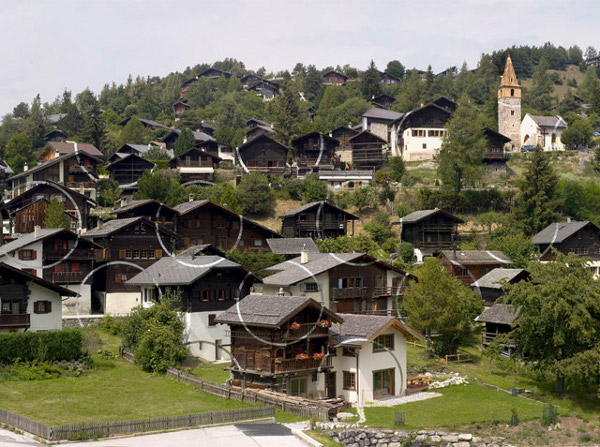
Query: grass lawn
x,y
459,405
213,372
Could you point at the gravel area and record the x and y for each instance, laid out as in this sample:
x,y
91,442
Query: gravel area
x,y
403,400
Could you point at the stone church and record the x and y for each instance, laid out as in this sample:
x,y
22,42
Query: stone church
x,y
509,105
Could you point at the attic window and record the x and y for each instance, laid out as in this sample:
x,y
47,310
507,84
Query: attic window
x,y
511,79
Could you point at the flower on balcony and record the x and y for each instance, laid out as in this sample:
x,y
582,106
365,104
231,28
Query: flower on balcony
x,y
295,326
302,356
279,360
324,323
318,356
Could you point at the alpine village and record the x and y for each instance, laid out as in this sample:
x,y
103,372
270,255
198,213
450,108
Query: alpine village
x,y
379,256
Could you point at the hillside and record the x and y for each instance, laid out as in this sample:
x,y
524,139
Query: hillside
x,y
571,72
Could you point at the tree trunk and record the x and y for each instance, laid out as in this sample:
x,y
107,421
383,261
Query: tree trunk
x,y
559,386
427,353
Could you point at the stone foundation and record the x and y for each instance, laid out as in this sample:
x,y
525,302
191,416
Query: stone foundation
x,y
83,321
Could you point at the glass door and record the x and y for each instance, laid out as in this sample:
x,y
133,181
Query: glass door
x,y
383,383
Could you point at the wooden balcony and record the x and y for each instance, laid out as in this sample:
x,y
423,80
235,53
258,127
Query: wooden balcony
x,y
68,277
388,291
322,225
78,253
267,169
77,185
348,293
437,245
440,228
288,365
307,329
14,321
368,155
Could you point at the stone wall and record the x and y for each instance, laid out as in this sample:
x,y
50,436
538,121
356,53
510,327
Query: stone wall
x,y
423,438
86,321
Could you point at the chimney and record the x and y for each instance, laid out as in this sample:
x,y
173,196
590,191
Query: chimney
x,y
191,197
245,139
37,231
56,153
281,292
25,167
99,224
303,257
568,219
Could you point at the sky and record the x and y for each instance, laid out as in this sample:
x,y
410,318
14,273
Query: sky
x,y
48,46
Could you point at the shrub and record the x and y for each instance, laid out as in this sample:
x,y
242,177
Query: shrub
x,y
111,325
255,195
42,346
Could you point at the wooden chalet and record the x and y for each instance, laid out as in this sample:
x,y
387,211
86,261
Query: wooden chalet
x,y
249,80
344,150
282,364
214,73
580,238
491,286
179,107
388,79
256,127
135,240
383,101
171,138
74,165
149,209
498,320
430,231
187,84
205,222
430,116
56,135
29,303
334,78
317,220
315,151
28,210
195,164
267,90
128,169
446,103
470,265
148,124
368,150
263,154
494,150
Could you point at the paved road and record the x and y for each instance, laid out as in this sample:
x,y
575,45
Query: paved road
x,y
238,435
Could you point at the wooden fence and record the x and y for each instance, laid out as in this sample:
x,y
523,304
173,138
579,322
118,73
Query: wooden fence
x,y
93,429
318,410
24,423
457,358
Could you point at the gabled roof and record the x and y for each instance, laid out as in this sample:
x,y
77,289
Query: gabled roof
x,y
495,278
64,148
476,257
382,114
418,216
499,314
549,121
198,136
389,75
255,140
186,207
204,250
15,272
445,103
221,72
181,103
137,203
366,133
258,122
353,331
55,132
121,158
292,245
293,271
141,148
383,97
146,122
271,311
52,162
336,73
33,190
197,149
557,233
116,225
31,238
319,204
421,109
326,137
491,132
181,270
55,118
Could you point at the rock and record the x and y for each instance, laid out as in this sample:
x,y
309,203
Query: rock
x,y
442,433
342,416
421,437
394,444
435,439
450,438
379,435
422,432
431,433
465,437
461,444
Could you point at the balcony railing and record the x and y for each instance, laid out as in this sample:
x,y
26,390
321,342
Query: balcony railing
x,y
14,321
388,291
348,293
322,225
68,277
78,253
302,365
76,185
307,328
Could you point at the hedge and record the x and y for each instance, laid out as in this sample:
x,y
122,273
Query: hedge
x,y
43,346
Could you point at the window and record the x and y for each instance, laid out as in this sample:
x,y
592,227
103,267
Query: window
x,y
379,281
298,386
349,380
222,294
512,113
144,254
27,255
424,145
220,225
42,307
206,295
151,254
512,92
128,254
463,272
211,320
136,254
383,342
309,287
258,242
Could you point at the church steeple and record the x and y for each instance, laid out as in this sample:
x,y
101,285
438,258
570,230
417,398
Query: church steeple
x,y
509,105
509,85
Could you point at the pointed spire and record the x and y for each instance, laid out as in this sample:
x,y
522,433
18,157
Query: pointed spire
x,y
509,78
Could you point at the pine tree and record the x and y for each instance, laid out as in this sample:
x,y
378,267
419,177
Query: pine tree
x,y
312,85
94,130
461,157
55,215
538,203
185,141
288,110
370,82
133,132
540,97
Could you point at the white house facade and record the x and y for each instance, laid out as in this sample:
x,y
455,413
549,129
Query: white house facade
x,y
543,131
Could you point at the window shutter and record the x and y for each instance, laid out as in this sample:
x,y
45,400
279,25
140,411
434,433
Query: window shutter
x,y
34,254
21,254
56,244
117,277
48,306
121,254
340,283
36,307
158,254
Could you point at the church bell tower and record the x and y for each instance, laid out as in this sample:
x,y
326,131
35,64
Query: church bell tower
x,y
509,105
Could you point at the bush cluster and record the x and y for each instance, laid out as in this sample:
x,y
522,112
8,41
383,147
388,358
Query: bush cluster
x,y
466,201
49,346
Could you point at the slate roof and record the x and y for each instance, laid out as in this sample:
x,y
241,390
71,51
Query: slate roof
x,y
64,147
198,136
549,121
203,250
180,270
499,314
55,118
356,328
270,310
418,216
185,207
310,205
494,278
382,114
137,203
42,282
145,121
111,226
257,121
558,232
476,257
292,245
30,238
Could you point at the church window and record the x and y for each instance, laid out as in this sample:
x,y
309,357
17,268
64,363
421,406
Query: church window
x,y
512,112
512,91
